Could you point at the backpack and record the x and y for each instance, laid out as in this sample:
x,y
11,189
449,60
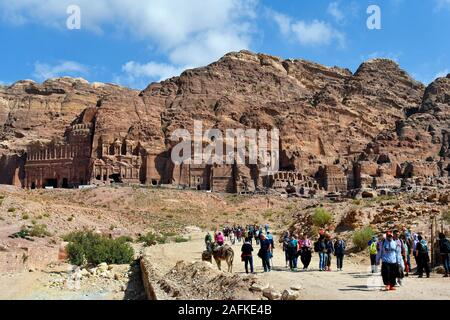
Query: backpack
x,y
373,248
292,244
424,246
339,247
446,246
316,246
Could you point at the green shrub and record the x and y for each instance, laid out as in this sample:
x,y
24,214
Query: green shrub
x,y
85,247
362,237
125,239
321,217
151,238
181,240
10,210
39,230
25,216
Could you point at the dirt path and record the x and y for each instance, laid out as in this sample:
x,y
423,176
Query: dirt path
x,y
354,283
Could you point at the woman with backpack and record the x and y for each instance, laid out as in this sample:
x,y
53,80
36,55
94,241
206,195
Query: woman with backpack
x,y
321,248
293,252
339,251
285,241
373,252
422,257
330,251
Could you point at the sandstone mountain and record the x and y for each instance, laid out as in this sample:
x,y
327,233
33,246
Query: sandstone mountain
x,y
326,116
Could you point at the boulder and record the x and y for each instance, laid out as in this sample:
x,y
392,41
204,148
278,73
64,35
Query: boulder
x,y
256,287
289,295
271,294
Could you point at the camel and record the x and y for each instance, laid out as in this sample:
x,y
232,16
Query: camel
x,y
219,253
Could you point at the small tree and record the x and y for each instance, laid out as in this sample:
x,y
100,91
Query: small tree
x,y
321,218
362,237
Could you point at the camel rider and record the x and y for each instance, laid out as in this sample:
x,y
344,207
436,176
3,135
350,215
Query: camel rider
x,y
220,239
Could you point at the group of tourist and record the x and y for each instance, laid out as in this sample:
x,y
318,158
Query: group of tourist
x,y
393,250
302,248
238,234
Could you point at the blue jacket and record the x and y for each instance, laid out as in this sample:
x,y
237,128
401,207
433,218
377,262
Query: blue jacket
x,y
389,252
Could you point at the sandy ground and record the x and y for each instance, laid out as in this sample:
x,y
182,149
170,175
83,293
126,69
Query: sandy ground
x,y
354,283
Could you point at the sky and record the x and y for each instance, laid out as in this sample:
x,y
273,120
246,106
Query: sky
x,y
136,42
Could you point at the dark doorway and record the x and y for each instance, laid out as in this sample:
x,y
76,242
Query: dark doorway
x,y
65,183
33,186
116,178
154,183
51,183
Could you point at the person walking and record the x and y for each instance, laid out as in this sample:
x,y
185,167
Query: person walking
x,y
265,252
321,248
415,241
339,251
208,240
285,240
272,245
373,252
232,238
389,258
401,257
293,252
423,257
257,236
247,255
305,251
444,250
330,251
406,254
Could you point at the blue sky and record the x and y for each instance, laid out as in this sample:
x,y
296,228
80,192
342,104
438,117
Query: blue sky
x,y
136,42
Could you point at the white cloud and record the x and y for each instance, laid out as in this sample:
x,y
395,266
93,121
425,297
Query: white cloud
x,y
312,33
160,71
316,33
189,33
442,4
334,10
283,22
43,71
169,24
442,73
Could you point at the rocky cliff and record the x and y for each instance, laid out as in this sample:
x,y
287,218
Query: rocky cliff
x,y
325,115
